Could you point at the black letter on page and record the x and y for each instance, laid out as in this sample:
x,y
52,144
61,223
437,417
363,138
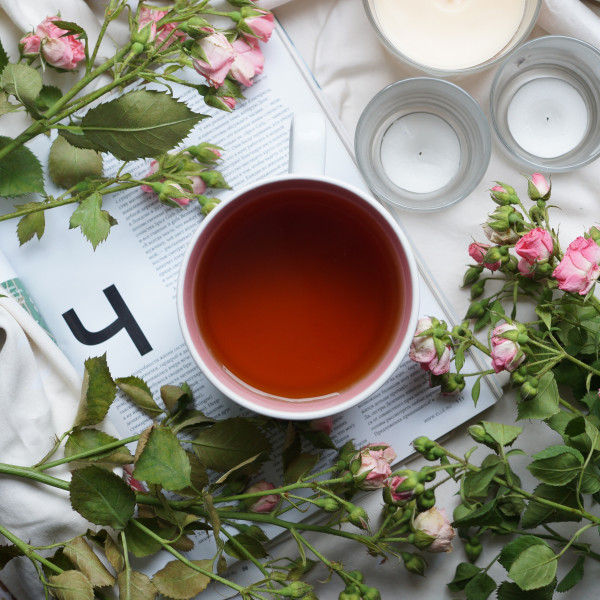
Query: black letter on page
x,y
124,320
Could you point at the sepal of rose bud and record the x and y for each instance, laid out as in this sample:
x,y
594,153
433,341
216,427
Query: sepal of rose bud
x,y
214,179
423,444
594,233
476,309
358,517
472,275
473,549
481,436
205,153
327,504
519,376
196,28
393,495
538,188
296,589
414,563
503,194
529,389
454,384
209,205
145,34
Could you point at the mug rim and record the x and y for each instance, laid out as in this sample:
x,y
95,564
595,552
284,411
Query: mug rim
x,y
307,409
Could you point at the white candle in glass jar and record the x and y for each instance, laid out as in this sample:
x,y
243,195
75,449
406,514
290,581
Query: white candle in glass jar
x,y
547,117
449,34
420,152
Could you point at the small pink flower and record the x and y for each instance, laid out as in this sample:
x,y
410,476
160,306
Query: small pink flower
x,y
578,270
506,354
539,187
375,461
218,56
325,425
261,25
266,503
397,496
477,252
536,245
248,62
153,16
435,523
59,50
423,351
30,45
152,169
198,185
526,268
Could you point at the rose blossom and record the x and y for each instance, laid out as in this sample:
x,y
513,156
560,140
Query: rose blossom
x,y
506,354
393,483
153,16
477,252
375,461
218,56
30,45
536,245
435,524
578,270
423,350
196,182
248,62
59,50
261,25
263,504
539,187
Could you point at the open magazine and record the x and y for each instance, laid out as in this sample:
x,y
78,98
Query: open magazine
x,y
120,299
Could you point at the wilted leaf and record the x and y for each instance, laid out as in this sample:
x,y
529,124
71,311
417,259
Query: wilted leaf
x,y
139,124
244,546
113,554
102,497
72,585
163,461
3,57
68,165
20,171
140,544
139,393
83,557
5,105
134,585
82,440
97,394
7,553
300,466
178,581
94,222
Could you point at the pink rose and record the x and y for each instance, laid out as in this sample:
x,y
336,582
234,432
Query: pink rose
x,y
538,187
526,268
152,17
172,195
261,25
30,45
248,62
375,461
59,50
218,56
578,270
536,245
423,350
265,503
477,252
506,354
397,496
325,425
435,524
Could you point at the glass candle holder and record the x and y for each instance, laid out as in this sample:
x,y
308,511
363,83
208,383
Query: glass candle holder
x,y
445,38
545,102
422,144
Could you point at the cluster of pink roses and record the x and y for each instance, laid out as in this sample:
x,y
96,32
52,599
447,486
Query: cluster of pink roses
x,y
423,349
51,42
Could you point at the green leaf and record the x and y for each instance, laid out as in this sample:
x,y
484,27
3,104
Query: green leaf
x,y
134,585
139,393
250,546
511,552
163,461
534,568
5,106
76,137
94,222
139,124
574,576
98,392
20,171
178,581
31,225
486,514
3,57
536,513
7,553
48,96
102,497
72,585
464,573
511,591
477,484
503,435
545,314
229,442
140,544
556,465
480,587
300,466
476,390
22,81
68,165
544,404
82,440
85,560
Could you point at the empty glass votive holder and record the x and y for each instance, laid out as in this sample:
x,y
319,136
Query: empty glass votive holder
x,y
422,144
545,102
444,38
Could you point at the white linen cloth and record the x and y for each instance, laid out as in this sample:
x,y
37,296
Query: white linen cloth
x,y
39,390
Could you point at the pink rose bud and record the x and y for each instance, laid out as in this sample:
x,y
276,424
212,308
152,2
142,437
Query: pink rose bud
x,y
59,50
435,524
216,55
538,187
325,425
398,496
261,24
153,168
578,270
266,503
30,45
374,467
536,245
506,354
423,351
477,252
249,60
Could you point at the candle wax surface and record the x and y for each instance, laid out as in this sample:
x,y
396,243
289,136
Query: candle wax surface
x,y
420,153
547,117
449,34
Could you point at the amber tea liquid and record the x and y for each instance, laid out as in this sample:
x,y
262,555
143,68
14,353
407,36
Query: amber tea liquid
x,y
297,295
